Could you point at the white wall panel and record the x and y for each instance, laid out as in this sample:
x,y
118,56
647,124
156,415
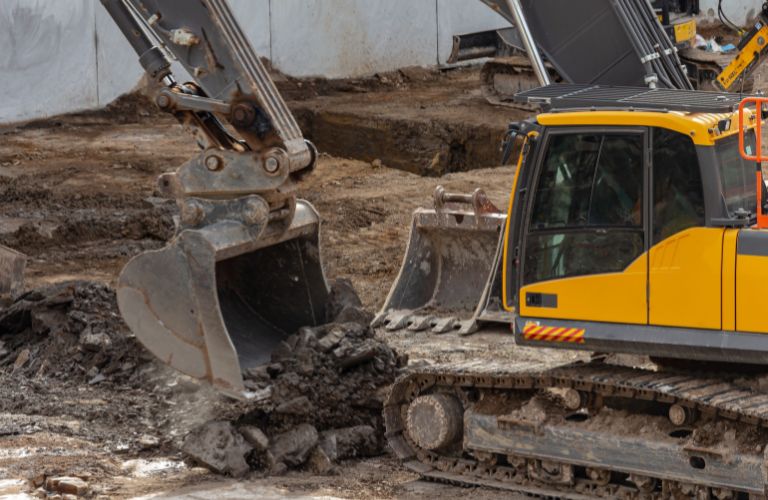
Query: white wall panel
x,y
48,58
340,38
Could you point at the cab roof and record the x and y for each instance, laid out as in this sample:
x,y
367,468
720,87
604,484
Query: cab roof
x,y
705,116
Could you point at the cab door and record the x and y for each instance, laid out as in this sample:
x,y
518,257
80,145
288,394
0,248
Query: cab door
x,y
585,239
685,257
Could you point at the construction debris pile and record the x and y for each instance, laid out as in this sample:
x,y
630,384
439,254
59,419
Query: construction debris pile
x,y
71,331
317,402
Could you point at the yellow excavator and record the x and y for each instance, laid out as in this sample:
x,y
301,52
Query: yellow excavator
x,y
636,225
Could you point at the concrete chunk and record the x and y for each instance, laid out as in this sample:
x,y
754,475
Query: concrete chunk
x,y
218,446
293,447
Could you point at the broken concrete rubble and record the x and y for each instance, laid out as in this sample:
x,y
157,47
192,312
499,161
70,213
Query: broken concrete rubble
x,y
293,447
69,330
67,485
218,446
319,400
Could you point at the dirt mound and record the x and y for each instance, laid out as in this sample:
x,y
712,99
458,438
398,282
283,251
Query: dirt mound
x,y
318,401
70,331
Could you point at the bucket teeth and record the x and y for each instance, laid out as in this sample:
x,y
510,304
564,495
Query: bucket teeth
x,y
420,323
445,325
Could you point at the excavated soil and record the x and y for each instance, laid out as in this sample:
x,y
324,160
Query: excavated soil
x,y
79,396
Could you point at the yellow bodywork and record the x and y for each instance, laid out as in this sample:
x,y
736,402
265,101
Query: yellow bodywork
x,y
685,275
702,128
685,31
610,297
751,279
683,281
746,57
729,279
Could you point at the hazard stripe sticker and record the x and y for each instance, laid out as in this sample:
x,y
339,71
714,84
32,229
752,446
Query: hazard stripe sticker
x,y
532,331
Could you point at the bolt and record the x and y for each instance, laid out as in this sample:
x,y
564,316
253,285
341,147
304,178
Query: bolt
x,y
214,163
163,101
255,211
192,212
271,164
243,115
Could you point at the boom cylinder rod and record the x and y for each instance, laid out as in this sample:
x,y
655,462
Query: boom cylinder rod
x,y
530,45
151,57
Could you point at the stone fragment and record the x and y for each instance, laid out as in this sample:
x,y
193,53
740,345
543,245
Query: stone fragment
x,y
67,485
255,437
21,359
331,339
146,441
296,406
329,445
357,441
353,314
94,341
353,355
218,446
293,447
342,295
319,462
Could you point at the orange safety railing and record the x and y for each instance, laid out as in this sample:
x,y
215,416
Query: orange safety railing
x,y
757,157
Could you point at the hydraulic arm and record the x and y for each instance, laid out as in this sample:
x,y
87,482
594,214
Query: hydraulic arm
x,y
243,270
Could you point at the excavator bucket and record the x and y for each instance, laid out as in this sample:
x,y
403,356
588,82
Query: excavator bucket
x,y
219,300
450,279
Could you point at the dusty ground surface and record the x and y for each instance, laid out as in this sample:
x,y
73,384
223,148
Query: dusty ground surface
x,y
77,196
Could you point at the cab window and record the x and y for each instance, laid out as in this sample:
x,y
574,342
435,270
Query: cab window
x,y
737,176
678,194
587,207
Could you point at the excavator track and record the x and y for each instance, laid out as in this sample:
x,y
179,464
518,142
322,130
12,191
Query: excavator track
x,y
583,430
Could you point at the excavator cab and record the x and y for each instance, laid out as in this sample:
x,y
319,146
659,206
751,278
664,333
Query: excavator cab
x,y
633,225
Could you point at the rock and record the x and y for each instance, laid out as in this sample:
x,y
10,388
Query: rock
x,y
293,447
357,441
353,314
329,445
67,485
278,469
255,437
146,441
94,342
296,406
218,446
342,295
335,335
353,355
319,462
21,359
